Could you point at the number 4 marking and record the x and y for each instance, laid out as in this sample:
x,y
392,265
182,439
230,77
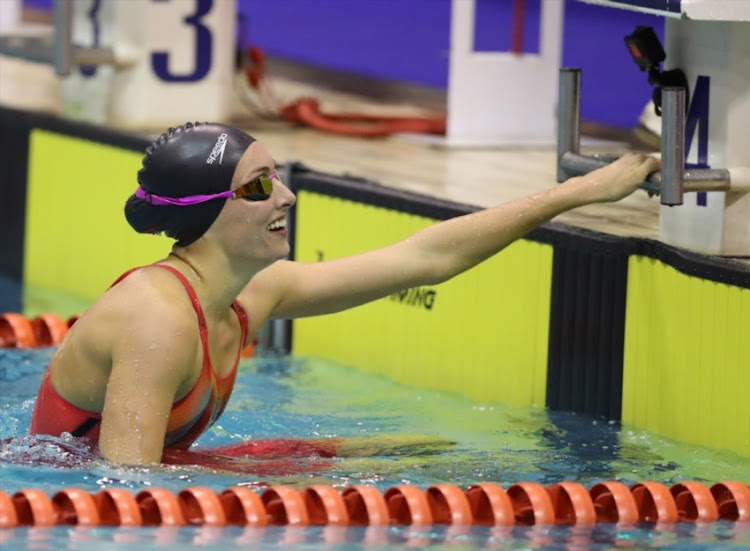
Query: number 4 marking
x,y
698,113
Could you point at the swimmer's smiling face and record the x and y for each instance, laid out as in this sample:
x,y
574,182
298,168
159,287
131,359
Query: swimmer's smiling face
x,y
255,229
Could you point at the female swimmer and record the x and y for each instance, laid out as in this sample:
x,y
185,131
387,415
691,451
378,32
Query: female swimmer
x,y
151,364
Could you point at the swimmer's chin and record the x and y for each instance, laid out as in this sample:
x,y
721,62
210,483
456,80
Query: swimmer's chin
x,y
284,251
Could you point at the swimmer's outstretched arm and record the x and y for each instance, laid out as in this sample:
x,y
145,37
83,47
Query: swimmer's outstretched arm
x,y
437,253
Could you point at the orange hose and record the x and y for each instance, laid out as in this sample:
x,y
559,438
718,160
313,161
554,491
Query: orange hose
x,y
307,112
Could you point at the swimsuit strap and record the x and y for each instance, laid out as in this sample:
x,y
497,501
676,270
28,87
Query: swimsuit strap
x,y
196,305
236,306
242,316
193,299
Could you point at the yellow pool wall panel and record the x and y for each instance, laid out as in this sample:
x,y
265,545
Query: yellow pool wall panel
x,y
77,239
482,334
687,357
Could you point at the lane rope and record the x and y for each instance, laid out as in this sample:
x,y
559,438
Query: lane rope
x,y
488,504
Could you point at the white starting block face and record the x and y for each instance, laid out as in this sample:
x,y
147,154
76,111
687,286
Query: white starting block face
x,y
710,41
502,98
175,62
715,56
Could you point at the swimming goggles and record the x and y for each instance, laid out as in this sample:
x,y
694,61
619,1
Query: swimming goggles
x,y
258,189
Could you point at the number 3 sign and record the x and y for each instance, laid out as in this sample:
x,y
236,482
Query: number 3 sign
x,y
203,47
180,56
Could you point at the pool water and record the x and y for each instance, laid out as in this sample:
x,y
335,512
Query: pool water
x,y
394,434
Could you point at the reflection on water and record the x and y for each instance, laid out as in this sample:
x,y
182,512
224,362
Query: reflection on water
x,y
709,537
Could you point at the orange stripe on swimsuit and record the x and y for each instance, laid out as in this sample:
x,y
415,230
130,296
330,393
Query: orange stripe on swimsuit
x,y
190,416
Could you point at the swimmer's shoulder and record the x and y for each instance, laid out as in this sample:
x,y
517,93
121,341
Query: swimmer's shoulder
x,y
151,288
147,302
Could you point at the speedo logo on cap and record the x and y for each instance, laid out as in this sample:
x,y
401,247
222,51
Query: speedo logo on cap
x,y
218,150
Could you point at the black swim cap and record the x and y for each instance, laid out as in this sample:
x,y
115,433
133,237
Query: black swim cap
x,y
192,159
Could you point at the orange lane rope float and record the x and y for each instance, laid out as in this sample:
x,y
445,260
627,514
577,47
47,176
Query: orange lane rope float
x,y
18,331
488,504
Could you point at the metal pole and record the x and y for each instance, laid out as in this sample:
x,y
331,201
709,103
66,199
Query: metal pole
x,y
62,56
696,179
568,116
672,145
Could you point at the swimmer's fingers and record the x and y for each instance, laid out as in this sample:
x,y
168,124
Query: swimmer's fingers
x,y
622,177
650,165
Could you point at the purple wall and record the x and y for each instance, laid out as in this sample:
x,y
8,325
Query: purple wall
x,y
408,41
38,4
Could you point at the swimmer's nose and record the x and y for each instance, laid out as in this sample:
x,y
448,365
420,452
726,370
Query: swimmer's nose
x,y
286,195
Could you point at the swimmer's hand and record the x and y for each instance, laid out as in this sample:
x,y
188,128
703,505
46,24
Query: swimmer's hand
x,y
616,180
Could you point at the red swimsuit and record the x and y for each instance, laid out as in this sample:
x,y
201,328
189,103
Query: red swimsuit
x,y
190,416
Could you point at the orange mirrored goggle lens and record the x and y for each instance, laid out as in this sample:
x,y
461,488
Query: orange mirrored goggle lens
x,y
258,189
